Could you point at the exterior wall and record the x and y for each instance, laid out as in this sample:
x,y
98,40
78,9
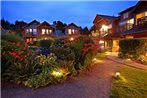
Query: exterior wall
x,y
76,30
32,26
98,23
115,45
39,29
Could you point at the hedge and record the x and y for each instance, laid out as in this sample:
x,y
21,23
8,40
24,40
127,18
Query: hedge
x,y
133,49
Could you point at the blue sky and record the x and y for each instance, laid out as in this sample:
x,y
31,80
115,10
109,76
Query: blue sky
x,y
80,12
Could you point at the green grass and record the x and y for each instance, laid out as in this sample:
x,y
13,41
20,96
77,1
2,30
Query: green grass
x,y
101,56
132,83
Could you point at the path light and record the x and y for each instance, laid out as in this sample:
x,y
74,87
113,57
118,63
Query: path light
x,y
128,59
94,59
117,74
57,73
71,39
107,53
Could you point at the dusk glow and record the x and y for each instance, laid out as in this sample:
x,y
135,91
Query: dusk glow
x,y
81,13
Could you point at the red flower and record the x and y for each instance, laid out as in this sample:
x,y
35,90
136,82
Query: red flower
x,y
85,50
18,44
19,53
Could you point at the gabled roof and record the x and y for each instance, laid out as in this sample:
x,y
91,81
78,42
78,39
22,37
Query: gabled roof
x,y
138,4
126,10
34,21
109,18
72,24
45,23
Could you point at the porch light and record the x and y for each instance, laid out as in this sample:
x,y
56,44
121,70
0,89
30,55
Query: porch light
x,y
117,74
101,42
104,28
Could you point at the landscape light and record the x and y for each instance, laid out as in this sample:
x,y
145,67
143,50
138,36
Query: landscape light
x,y
71,39
94,59
57,73
117,74
107,53
128,59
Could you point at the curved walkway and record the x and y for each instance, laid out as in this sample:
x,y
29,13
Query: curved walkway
x,y
114,57
96,83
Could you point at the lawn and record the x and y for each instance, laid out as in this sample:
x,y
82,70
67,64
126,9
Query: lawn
x,y
132,83
101,56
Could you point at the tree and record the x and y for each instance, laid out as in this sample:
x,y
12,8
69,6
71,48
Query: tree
x,y
59,25
85,31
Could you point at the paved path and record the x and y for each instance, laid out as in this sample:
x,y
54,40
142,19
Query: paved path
x,y
114,57
93,84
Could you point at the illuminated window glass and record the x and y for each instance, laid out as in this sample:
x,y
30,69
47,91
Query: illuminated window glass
x,y
34,31
30,30
43,31
69,31
47,31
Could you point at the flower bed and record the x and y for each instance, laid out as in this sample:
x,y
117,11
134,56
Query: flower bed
x,y
67,58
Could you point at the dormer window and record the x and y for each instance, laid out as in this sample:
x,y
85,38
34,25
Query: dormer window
x,y
126,15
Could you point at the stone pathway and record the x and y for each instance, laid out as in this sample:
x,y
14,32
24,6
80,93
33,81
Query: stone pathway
x,y
114,57
95,83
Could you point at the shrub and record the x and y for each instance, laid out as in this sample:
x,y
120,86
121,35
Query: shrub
x,y
63,53
133,48
45,43
10,37
67,67
46,61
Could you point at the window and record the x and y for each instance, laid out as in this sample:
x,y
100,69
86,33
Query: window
x,y
34,39
43,31
141,18
34,31
47,31
73,31
27,30
30,30
50,31
69,31
126,15
130,24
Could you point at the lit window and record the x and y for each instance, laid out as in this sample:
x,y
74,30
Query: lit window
x,y
27,30
126,15
43,31
30,30
34,31
47,31
73,30
50,31
145,13
34,39
69,31
104,28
